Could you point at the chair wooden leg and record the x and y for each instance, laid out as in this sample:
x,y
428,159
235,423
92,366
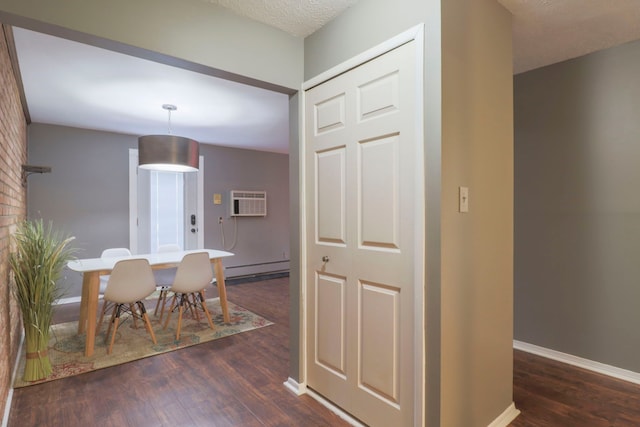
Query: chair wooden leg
x,y
173,304
194,307
180,310
187,298
147,323
115,328
164,302
113,316
99,325
149,328
132,307
160,298
206,312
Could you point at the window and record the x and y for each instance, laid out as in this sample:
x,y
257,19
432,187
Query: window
x,y
167,209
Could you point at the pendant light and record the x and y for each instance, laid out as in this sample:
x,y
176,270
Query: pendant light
x,y
168,152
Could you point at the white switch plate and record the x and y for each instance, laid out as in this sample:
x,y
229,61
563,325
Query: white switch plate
x,y
463,199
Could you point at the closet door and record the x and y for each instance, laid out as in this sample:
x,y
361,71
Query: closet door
x,y
362,163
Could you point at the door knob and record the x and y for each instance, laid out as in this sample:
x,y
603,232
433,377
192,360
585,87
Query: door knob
x,y
325,259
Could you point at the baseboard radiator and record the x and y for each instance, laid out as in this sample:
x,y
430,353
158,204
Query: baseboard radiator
x,y
256,272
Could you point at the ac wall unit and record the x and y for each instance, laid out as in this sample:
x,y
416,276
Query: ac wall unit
x,y
248,203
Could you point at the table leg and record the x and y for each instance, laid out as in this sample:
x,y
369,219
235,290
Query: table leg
x,y
222,290
82,322
89,309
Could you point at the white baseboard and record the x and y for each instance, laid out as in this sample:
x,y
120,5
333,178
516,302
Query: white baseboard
x,y
7,405
601,368
299,389
295,387
69,300
506,417
335,409
7,408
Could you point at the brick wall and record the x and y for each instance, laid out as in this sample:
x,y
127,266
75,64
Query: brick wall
x,y
13,154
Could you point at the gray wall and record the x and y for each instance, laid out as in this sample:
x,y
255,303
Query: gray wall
x,y
87,195
577,207
468,136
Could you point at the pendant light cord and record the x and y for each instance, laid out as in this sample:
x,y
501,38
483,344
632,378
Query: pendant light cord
x,y
169,108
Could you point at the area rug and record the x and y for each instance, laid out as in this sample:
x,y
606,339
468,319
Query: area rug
x,y
66,347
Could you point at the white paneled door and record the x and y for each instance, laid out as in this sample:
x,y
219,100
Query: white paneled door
x,y
362,166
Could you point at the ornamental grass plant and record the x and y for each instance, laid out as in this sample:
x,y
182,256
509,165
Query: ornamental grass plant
x,y
37,262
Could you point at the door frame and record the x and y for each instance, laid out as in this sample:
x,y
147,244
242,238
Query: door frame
x,y
133,201
415,34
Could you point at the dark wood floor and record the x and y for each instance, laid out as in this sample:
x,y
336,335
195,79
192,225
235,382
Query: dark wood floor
x,y
237,381
234,381
550,393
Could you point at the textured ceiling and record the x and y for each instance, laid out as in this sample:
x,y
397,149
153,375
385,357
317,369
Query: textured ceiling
x,y
550,31
296,17
544,31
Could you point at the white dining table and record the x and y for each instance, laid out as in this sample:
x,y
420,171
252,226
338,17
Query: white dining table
x,y
93,268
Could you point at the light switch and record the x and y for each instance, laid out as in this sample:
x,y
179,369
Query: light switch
x,y
463,202
217,199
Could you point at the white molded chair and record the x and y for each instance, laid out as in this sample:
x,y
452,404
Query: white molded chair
x,y
109,253
129,283
164,287
193,275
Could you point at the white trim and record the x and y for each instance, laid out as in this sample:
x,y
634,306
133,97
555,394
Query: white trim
x,y
506,417
200,202
299,389
419,309
416,34
590,365
7,405
133,200
295,387
335,409
7,408
302,229
70,300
